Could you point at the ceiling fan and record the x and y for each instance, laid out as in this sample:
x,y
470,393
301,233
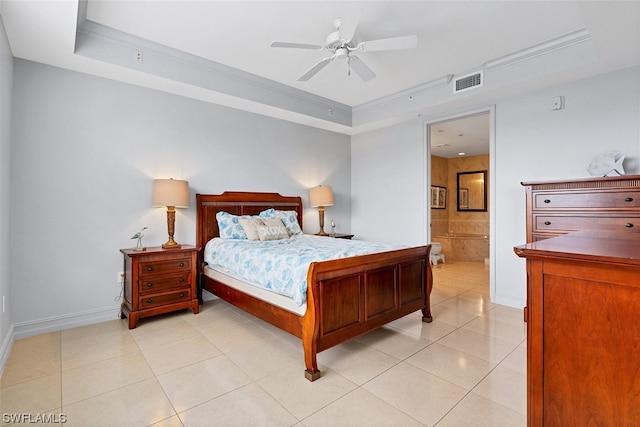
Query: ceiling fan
x,y
342,45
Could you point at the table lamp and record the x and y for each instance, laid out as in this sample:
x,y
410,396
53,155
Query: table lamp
x,y
172,193
319,197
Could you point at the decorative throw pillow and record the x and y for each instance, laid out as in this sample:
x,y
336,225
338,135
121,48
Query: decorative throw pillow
x,y
273,229
288,218
250,227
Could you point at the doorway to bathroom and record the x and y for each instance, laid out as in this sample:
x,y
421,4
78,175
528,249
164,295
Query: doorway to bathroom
x,y
459,150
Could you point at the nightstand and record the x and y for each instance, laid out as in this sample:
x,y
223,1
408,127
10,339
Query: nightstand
x,y
158,281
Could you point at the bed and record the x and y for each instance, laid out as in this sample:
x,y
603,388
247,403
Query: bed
x,y
345,297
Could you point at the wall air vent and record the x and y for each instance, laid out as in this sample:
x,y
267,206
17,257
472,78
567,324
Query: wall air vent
x,y
470,81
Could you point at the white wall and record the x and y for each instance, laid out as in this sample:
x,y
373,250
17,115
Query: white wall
x,y
532,143
387,169
84,155
6,83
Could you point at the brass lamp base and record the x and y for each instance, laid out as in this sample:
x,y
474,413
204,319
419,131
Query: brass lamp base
x,y
321,217
171,222
171,244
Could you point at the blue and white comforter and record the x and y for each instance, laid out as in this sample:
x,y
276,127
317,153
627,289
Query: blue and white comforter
x,y
282,265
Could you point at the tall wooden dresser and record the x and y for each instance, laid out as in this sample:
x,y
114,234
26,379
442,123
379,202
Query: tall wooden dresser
x,y
560,207
583,302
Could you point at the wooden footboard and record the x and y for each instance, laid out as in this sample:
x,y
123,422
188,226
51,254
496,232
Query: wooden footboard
x,y
352,296
345,298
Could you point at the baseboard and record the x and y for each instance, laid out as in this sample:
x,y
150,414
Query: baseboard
x,y
5,350
509,301
65,321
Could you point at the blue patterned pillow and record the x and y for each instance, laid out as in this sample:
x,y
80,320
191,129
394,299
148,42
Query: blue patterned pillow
x,y
289,218
230,227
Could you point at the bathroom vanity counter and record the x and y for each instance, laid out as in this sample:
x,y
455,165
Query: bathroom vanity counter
x,y
583,357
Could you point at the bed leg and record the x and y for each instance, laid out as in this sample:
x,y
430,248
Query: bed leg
x,y
311,372
426,315
311,376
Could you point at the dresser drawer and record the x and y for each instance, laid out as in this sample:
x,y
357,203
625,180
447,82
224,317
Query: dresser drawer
x,y
147,268
580,200
553,223
155,284
164,299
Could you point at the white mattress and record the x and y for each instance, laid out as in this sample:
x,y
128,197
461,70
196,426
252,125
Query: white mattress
x,y
260,293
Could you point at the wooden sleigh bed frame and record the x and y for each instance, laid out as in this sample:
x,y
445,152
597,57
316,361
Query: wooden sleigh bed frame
x,y
345,297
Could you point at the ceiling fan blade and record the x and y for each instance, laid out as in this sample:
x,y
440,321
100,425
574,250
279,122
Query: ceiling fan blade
x,y
361,68
296,45
393,43
314,70
349,22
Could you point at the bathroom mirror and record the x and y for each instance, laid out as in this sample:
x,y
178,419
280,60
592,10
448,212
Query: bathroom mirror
x,y
472,191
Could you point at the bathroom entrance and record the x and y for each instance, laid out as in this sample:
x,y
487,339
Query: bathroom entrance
x,y
460,165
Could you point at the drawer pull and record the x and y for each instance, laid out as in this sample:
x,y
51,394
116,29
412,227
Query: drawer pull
x,y
181,279
149,301
181,294
149,285
182,264
628,199
547,223
150,268
629,225
547,201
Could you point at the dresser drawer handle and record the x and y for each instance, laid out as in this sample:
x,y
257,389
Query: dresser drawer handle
x,y
150,268
149,285
149,301
182,264
628,199
547,223
547,201
629,225
181,280
181,294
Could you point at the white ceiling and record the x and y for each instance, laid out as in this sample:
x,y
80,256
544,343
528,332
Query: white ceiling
x,y
454,37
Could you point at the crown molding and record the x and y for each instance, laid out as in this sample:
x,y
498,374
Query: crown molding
x,y
97,41
562,42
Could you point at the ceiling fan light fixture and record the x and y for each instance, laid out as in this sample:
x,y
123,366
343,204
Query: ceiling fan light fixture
x,y
342,42
342,52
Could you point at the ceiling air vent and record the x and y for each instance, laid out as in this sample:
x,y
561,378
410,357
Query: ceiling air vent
x,y
467,82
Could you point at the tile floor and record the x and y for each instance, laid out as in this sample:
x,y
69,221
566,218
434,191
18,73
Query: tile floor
x,y
223,367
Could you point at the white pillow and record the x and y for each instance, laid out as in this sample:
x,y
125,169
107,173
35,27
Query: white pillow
x,y
229,225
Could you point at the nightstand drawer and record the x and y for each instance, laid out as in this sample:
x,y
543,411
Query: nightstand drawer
x,y
147,268
164,283
163,299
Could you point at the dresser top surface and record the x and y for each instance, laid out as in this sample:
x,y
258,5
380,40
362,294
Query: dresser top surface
x,y
593,179
619,247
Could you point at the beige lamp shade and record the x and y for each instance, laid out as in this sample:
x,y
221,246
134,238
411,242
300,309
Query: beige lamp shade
x,y
320,196
170,192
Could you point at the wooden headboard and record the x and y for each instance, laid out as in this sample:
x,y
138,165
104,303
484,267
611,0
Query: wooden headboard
x,y
236,203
